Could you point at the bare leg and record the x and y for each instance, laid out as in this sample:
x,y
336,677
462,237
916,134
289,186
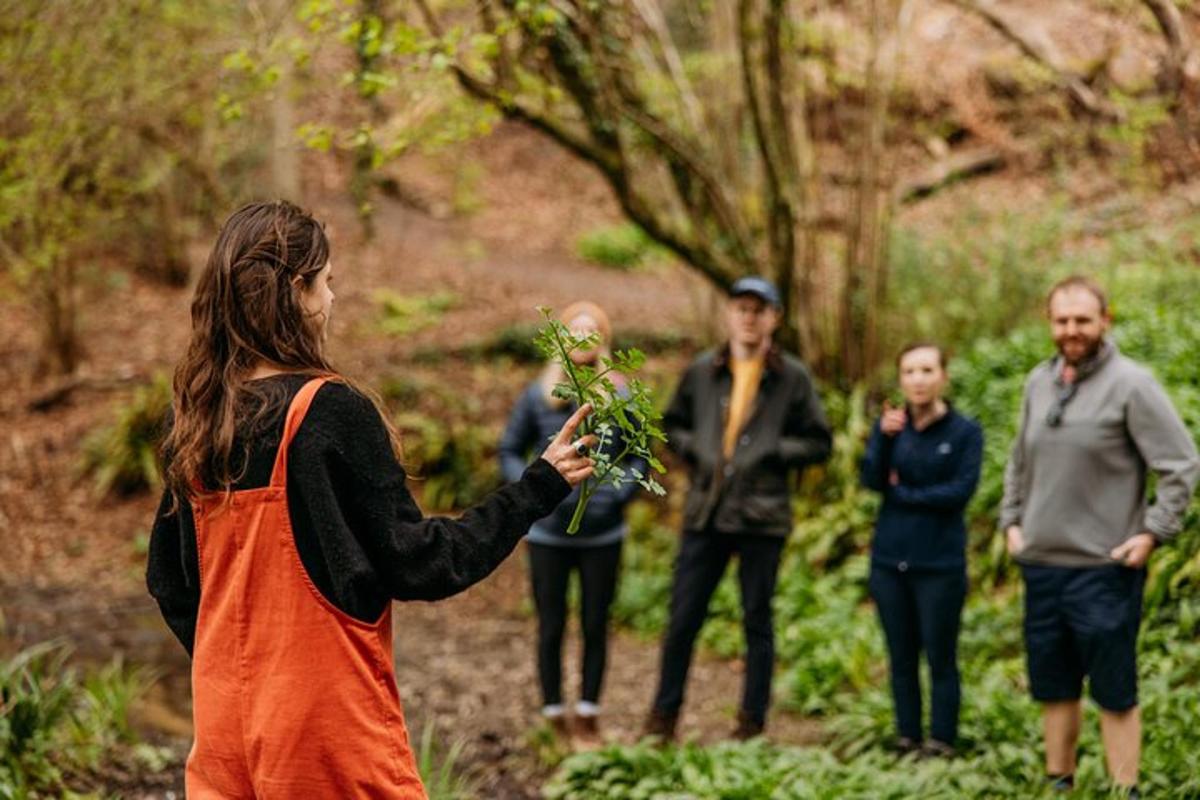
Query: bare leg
x,y
1061,722
1122,734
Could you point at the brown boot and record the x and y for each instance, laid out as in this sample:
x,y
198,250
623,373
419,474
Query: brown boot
x,y
747,727
586,733
558,725
660,725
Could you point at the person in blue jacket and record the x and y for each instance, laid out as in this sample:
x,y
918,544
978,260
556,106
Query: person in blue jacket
x,y
925,460
594,551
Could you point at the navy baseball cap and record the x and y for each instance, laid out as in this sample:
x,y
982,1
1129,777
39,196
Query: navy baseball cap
x,y
761,288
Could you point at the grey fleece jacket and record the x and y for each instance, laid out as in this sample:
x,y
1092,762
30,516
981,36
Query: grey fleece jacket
x,y
1079,489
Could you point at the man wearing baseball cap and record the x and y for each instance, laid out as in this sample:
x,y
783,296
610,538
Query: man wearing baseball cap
x,y
743,417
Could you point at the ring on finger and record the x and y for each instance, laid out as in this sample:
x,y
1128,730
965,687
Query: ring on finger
x,y
580,447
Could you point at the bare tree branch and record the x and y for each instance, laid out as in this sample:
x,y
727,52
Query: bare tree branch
x,y
652,16
1170,22
482,90
949,171
1034,43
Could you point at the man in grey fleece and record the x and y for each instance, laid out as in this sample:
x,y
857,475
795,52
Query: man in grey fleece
x,y
1076,517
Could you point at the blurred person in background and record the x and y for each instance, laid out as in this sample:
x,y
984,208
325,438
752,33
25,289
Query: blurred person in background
x,y
594,551
1076,517
924,458
745,417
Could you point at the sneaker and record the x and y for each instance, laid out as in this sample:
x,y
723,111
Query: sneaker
x,y
1061,783
747,727
660,725
906,745
937,749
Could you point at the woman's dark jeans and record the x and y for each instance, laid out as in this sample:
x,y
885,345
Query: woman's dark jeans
x,y
920,611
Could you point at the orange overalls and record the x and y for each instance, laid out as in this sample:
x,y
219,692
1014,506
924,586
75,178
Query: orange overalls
x,y
292,698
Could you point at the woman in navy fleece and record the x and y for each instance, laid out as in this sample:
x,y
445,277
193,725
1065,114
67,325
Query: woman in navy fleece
x,y
924,459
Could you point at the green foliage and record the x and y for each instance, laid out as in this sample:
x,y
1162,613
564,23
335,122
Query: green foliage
x,y
440,767
628,414
834,513
512,341
56,726
1133,134
123,457
624,246
105,112
400,315
980,278
391,64
453,460
402,390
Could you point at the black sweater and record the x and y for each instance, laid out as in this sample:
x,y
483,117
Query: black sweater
x,y
360,535
921,522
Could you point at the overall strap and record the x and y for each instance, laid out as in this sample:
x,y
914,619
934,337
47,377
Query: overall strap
x,y
295,416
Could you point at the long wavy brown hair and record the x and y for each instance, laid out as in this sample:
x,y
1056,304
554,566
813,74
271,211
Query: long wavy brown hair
x,y
247,312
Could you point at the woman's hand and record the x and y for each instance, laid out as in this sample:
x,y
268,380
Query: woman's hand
x,y
570,457
893,420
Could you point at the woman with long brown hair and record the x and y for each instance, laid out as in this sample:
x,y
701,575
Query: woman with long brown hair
x,y
286,530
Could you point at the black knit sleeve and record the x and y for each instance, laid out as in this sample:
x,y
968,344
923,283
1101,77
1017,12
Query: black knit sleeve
x,y
416,557
172,569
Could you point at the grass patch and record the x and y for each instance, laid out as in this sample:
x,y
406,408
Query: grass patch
x,y
624,246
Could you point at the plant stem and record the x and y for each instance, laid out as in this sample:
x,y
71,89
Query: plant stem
x,y
580,507
585,493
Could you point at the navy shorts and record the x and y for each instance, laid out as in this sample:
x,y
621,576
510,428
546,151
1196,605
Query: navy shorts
x,y
1083,621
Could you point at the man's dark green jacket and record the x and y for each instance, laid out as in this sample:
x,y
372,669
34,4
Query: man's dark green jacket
x,y
785,431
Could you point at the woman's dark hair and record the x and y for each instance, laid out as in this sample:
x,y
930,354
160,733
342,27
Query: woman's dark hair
x,y
922,345
246,311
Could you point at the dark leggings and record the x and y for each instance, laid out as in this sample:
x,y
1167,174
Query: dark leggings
x,y
921,611
550,571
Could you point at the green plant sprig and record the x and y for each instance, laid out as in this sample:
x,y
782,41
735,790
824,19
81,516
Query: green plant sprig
x,y
629,413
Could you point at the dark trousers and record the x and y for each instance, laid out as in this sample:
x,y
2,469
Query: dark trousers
x,y
550,571
698,569
921,611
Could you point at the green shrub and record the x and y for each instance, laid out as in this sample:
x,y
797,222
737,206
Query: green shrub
x,y
400,314
57,728
454,461
511,341
123,457
401,391
623,246
440,767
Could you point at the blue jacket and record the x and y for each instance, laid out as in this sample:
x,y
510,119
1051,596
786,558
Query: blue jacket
x,y
531,425
921,524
